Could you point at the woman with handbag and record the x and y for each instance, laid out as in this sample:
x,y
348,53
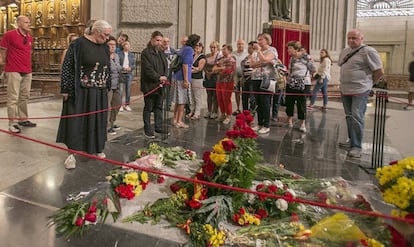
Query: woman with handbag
x,y
300,69
262,61
197,80
322,78
210,80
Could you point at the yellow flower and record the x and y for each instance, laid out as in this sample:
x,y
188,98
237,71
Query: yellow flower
x,y
219,149
131,178
138,190
218,159
144,177
241,221
374,243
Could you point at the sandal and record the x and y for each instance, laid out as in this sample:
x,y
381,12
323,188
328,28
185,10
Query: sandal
x,y
182,125
195,117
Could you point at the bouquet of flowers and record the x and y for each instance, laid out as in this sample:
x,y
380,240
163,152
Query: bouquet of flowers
x,y
168,154
128,183
396,183
77,217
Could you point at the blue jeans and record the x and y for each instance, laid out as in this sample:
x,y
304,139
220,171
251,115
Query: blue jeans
x,y
355,107
324,88
276,101
127,87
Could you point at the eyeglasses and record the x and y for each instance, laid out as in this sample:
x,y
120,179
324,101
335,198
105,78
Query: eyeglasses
x,y
25,40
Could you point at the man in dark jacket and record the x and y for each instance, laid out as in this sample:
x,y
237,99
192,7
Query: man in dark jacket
x,y
154,71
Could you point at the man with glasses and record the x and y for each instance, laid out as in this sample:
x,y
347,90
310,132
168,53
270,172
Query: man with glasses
x,y
15,55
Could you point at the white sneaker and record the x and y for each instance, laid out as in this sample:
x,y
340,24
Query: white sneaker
x,y
128,108
263,130
257,128
121,109
303,129
227,120
70,162
15,128
101,155
408,107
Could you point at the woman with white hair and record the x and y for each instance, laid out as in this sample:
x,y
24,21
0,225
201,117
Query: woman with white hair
x,y
84,85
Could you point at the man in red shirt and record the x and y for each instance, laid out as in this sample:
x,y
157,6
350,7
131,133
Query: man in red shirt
x,y
15,54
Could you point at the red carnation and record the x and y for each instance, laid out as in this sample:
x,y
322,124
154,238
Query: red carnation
x,y
242,211
208,169
272,188
236,217
175,187
248,133
262,213
259,187
199,176
125,191
144,185
289,197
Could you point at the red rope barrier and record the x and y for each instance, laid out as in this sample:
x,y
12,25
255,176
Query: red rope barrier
x,y
221,186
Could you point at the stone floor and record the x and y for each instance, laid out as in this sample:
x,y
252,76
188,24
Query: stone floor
x,y
34,182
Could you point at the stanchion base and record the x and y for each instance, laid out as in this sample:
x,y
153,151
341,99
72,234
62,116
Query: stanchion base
x,y
369,170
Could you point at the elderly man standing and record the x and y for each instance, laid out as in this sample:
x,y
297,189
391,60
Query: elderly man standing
x,y
15,53
154,71
361,67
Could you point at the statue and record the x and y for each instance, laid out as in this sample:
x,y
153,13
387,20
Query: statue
x,y
280,10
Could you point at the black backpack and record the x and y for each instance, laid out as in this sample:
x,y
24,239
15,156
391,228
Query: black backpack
x,y
176,63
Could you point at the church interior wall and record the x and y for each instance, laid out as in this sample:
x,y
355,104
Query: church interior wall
x,y
393,36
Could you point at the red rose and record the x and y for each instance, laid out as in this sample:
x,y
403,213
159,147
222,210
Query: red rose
x,y
397,238
262,213
206,156
144,185
199,176
79,222
208,169
248,133
174,188
92,209
195,204
233,134
294,217
394,162
125,191
242,211
239,124
160,179
364,242
236,218
90,217
228,145
247,113
322,196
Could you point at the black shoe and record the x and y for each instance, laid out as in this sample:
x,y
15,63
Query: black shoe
x,y
149,135
111,131
163,132
235,113
27,123
116,127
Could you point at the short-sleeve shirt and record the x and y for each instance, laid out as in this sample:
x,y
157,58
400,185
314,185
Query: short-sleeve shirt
x,y
267,68
18,51
356,73
186,54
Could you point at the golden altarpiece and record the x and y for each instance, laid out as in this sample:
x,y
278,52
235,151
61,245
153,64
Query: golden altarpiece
x,y
51,22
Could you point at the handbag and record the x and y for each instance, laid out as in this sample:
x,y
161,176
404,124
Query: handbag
x,y
123,77
268,84
296,83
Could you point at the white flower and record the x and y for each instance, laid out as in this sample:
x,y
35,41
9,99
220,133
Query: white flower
x,y
326,183
281,204
301,207
331,190
251,198
267,182
292,192
278,184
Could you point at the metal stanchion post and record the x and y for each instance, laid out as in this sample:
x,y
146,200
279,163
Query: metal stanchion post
x,y
165,111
